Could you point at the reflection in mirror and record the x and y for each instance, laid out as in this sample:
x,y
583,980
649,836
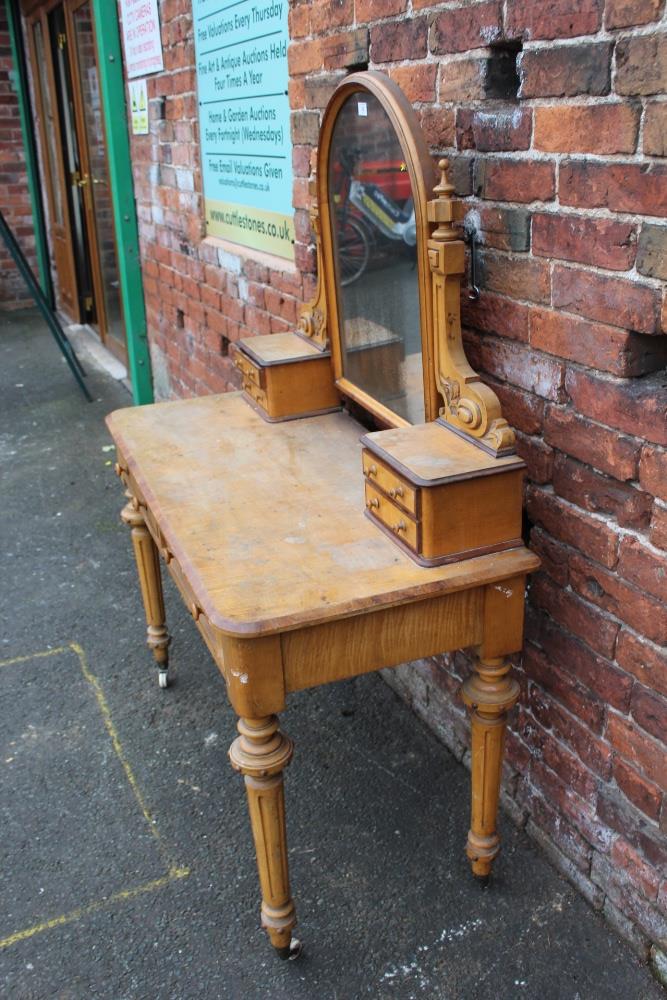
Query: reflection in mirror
x,y
376,258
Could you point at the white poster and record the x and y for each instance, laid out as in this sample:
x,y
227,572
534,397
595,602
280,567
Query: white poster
x,y
141,34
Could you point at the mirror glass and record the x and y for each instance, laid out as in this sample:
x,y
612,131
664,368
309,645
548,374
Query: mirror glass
x,y
375,252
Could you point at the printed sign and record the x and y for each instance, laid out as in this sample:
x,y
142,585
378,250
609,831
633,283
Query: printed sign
x,y
141,35
246,153
139,107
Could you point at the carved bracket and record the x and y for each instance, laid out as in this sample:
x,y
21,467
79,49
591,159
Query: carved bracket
x,y
470,407
313,319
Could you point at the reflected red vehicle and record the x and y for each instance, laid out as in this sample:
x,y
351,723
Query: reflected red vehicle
x,y
374,203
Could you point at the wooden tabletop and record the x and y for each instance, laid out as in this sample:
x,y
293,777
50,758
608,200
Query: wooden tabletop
x,y
267,520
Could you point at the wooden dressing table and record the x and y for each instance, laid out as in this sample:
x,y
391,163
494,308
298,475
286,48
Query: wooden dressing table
x,y
265,524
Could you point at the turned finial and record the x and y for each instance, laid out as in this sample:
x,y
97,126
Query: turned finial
x,y
440,209
444,189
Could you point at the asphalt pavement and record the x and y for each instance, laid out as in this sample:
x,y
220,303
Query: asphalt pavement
x,y
127,869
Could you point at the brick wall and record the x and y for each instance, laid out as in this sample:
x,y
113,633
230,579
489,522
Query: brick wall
x,y
567,187
14,195
200,296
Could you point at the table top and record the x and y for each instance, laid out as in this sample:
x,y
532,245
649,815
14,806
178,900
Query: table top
x,y
267,520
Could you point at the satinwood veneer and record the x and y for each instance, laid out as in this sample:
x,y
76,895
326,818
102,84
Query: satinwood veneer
x,y
305,556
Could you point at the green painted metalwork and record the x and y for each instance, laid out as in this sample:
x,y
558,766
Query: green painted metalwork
x,y
29,147
48,314
112,86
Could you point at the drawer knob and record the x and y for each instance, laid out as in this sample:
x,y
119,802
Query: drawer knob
x,y
372,470
373,502
399,527
195,611
166,555
398,492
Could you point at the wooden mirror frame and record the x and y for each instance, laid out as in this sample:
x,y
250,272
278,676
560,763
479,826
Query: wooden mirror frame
x,y
422,178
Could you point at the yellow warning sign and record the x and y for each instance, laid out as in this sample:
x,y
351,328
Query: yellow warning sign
x,y
139,107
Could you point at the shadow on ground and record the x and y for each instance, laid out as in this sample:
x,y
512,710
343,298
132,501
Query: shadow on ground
x,y
128,870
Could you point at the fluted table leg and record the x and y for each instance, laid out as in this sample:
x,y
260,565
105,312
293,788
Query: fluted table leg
x,y
148,567
489,693
260,753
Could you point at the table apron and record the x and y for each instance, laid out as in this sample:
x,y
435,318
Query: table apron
x,y
387,637
260,671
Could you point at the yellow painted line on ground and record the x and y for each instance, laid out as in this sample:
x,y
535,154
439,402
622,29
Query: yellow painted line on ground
x,y
35,656
84,911
175,872
115,739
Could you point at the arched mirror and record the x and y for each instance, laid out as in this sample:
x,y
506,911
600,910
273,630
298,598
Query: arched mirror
x,y
375,176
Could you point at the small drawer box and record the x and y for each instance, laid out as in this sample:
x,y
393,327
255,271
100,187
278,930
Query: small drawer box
x,y
286,376
250,371
397,489
439,496
252,390
392,517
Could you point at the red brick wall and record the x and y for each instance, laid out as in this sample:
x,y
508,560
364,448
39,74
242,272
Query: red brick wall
x,y
568,188
199,295
14,195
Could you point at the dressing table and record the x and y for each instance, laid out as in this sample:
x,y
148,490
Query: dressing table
x,y
305,556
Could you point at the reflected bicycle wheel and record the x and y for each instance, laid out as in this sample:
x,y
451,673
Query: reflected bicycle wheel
x,y
353,251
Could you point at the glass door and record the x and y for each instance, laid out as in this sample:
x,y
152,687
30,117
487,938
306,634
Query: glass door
x,y
74,158
74,172
60,211
97,193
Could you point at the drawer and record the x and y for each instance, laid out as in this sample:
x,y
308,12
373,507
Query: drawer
x,y
255,393
250,371
184,588
391,516
154,529
209,635
400,491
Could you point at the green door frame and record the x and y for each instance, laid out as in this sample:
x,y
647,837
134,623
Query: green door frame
x,y
29,146
112,86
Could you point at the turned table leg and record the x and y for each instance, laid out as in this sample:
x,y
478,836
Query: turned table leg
x,y
489,693
148,566
261,753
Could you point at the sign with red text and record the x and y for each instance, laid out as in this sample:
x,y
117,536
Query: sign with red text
x,y
141,35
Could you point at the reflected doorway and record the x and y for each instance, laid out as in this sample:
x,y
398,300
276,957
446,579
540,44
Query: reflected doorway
x,y
74,163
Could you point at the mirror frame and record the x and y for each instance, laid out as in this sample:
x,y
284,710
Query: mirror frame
x,y
422,178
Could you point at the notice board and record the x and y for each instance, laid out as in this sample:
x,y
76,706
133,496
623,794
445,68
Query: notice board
x,y
141,35
246,152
